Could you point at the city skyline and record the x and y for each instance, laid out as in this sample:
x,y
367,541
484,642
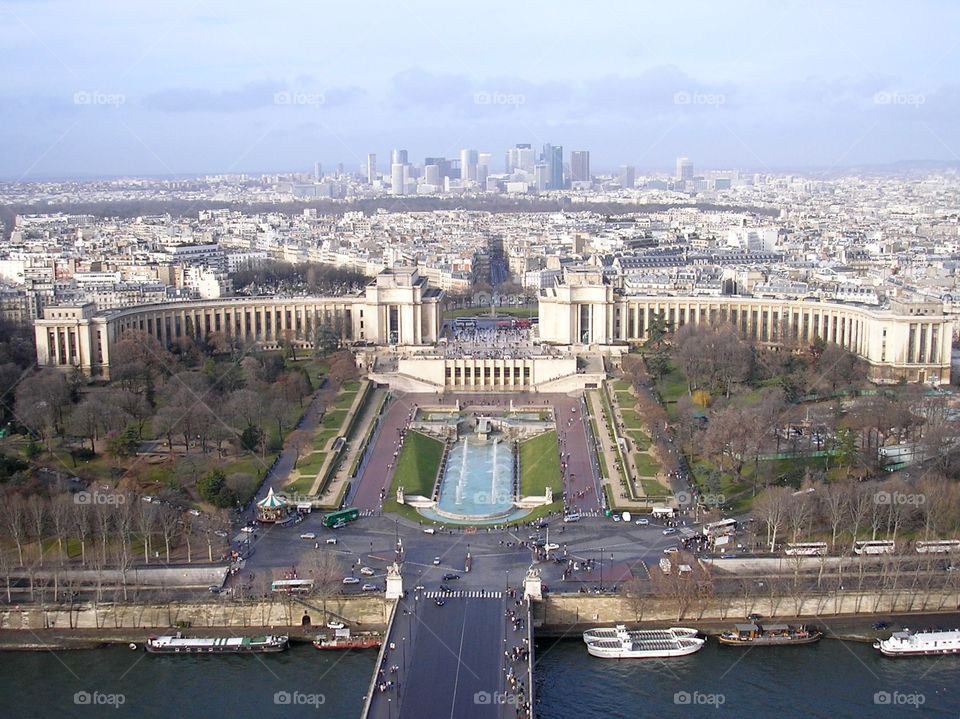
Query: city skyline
x,y
761,89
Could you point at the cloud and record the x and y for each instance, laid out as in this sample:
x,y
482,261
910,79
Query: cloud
x,y
251,96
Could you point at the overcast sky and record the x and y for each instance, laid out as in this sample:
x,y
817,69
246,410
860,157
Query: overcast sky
x,y
100,87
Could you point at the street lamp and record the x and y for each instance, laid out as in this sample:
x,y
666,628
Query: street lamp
x,y
601,569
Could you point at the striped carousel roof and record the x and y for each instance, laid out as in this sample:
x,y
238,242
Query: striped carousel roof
x,y
272,501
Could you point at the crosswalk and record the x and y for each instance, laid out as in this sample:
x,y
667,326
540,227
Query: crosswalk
x,y
463,594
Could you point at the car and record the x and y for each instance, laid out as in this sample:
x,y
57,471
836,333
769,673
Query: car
x,y
571,517
220,533
335,625
331,540
880,625
436,561
214,589
439,602
450,575
753,616
429,530
446,588
369,588
642,522
419,588
340,525
308,535
668,531
248,529
670,550
147,498
551,547
366,571
616,518
351,580
194,512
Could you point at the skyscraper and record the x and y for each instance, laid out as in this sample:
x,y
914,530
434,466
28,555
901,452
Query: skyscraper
x,y
468,166
398,157
580,165
397,176
627,176
684,169
317,171
541,177
371,167
483,168
552,157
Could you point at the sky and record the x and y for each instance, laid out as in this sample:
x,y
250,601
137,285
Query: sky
x,y
120,87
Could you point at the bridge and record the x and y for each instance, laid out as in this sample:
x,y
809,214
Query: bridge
x,y
463,654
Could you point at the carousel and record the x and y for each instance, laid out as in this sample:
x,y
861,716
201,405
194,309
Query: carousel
x,y
272,508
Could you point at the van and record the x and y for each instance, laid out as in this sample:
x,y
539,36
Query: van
x,y
331,540
574,517
429,530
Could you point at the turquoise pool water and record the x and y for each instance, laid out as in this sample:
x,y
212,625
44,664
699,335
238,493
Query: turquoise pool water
x,y
478,479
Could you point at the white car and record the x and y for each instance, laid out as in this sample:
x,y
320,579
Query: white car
x,y
366,571
331,540
642,522
248,530
194,512
616,518
436,560
351,580
335,625
571,517
308,535
220,533
671,550
551,547
429,530
369,588
668,531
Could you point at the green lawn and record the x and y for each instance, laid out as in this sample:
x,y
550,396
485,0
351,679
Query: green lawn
x,y
418,464
640,441
652,488
647,466
540,465
300,486
621,386
351,386
631,419
527,311
311,464
322,439
344,400
333,419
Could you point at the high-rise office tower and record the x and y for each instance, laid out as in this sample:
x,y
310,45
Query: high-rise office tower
x,y
397,177
468,166
541,177
398,157
371,167
552,157
483,168
431,175
317,171
627,176
580,165
526,158
684,169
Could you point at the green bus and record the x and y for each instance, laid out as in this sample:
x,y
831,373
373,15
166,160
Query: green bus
x,y
340,517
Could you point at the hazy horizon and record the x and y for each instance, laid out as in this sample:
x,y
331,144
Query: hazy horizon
x,y
102,89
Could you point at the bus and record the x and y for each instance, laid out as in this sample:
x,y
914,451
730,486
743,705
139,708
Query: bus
x,y
806,549
878,546
719,529
340,517
941,546
292,586
463,323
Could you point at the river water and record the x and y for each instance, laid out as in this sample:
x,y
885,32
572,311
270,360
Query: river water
x,y
831,679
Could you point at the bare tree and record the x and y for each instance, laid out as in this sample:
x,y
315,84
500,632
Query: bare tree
x,y
37,511
61,516
771,508
327,576
168,519
15,518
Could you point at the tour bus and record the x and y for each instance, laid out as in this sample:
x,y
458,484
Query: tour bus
x,y
878,546
340,517
718,529
805,549
462,323
289,586
941,546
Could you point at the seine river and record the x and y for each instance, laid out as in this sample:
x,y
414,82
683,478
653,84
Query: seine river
x,y
830,680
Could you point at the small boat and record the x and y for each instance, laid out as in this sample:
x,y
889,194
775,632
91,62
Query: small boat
x,y
923,643
179,644
755,634
347,642
673,642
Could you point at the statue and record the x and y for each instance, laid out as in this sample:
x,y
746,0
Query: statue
x,y
400,495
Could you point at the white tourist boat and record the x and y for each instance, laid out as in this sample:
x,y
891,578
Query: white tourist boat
x,y
654,643
179,644
928,642
592,635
